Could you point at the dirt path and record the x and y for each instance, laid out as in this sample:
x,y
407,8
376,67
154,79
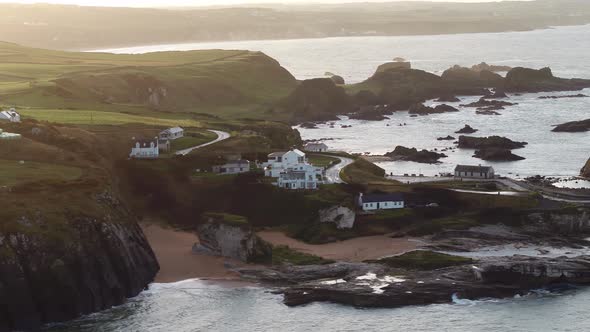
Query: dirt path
x,y
173,250
353,250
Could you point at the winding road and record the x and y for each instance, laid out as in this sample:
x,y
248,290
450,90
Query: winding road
x,y
333,173
221,136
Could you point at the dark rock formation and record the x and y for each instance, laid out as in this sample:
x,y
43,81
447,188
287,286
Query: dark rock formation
x,y
496,154
486,111
497,94
579,95
309,125
573,127
469,142
483,102
53,272
585,172
371,113
530,80
420,109
464,77
317,100
466,130
233,240
339,80
400,64
448,138
378,285
486,67
424,156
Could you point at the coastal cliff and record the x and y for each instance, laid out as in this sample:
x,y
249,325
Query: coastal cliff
x,y
586,169
59,265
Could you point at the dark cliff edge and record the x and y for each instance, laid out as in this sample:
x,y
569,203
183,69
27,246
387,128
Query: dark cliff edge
x,y
56,271
586,170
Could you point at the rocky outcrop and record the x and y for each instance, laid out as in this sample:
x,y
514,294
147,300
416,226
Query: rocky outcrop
x,y
317,99
493,68
230,239
563,222
466,130
485,103
372,113
496,154
412,154
343,217
573,127
469,142
531,80
465,77
399,64
579,95
585,172
378,285
448,138
448,99
420,109
57,270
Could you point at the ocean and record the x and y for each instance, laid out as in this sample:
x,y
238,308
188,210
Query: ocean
x,y
195,305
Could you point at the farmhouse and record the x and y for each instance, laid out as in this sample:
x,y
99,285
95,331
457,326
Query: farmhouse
x,y
477,172
233,167
371,202
292,170
172,133
316,147
11,115
145,149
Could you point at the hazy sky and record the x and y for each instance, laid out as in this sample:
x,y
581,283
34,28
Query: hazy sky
x,y
154,3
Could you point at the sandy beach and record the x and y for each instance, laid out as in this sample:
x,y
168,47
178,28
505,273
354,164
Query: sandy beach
x,y
353,250
178,262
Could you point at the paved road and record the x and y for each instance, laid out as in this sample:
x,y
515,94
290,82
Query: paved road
x,y
333,173
221,135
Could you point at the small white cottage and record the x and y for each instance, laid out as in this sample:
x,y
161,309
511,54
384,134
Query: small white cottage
x,y
371,202
11,115
145,149
233,167
172,133
477,172
316,147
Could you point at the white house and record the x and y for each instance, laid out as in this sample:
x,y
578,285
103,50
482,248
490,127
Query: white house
x,y
316,147
371,202
477,172
172,133
145,149
11,115
292,170
233,167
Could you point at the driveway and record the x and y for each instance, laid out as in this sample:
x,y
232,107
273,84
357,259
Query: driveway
x,y
221,135
333,173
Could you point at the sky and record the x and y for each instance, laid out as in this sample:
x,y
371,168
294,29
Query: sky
x,y
187,3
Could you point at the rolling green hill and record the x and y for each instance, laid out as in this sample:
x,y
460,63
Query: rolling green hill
x,y
163,85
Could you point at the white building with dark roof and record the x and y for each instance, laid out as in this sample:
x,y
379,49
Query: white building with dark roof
x,y
292,170
172,133
145,149
371,202
233,167
475,172
316,147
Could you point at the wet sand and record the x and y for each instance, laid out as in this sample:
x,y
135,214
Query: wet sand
x,y
353,250
178,262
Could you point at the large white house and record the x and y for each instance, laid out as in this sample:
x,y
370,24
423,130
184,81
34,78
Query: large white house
x,y
478,172
11,115
145,149
371,202
172,133
292,170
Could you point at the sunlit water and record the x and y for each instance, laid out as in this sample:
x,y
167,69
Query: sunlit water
x,y
198,306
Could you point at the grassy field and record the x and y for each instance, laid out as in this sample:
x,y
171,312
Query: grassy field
x,y
321,160
88,117
12,172
223,83
192,138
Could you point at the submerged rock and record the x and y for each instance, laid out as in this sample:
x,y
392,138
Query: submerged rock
x,y
466,130
483,102
420,109
573,127
407,154
448,99
579,95
448,138
486,112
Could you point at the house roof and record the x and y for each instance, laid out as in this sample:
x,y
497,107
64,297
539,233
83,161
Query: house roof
x,y
378,198
299,152
293,175
277,154
315,145
475,169
9,114
145,142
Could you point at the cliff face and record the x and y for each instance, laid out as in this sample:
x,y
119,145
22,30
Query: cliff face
x,y
55,271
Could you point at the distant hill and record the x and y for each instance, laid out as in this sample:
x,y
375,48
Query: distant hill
x,y
236,83
74,27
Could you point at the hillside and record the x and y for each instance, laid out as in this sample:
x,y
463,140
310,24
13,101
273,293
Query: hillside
x,y
67,27
215,82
